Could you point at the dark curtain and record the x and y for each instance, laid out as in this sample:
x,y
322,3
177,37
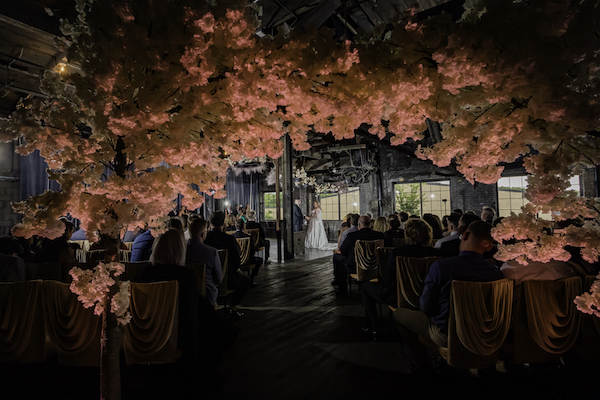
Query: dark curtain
x,y
242,189
34,179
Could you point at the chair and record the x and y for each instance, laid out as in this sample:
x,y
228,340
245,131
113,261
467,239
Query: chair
x,y
246,254
131,269
44,271
151,335
255,235
399,242
124,255
72,329
383,255
224,292
83,244
589,346
410,279
200,273
22,333
478,323
547,321
365,258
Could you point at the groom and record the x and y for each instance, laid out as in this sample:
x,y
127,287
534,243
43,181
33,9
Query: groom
x,y
298,216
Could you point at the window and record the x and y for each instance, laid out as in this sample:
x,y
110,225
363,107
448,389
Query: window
x,y
336,206
270,203
511,194
419,198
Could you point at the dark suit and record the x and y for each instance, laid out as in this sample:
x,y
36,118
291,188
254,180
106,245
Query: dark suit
x,y
238,282
343,263
257,261
298,218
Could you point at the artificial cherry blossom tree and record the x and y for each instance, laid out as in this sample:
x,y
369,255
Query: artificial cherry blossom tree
x,y
168,89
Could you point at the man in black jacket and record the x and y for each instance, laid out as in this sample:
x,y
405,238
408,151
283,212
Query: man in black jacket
x,y
298,216
236,281
343,263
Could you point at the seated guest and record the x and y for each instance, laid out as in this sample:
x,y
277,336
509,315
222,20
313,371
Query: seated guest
x,y
418,235
343,263
381,225
353,228
229,225
236,280
264,242
79,234
104,241
175,223
450,248
198,252
257,261
58,249
202,334
393,233
130,236
431,320
453,220
345,226
488,214
436,224
403,215
141,248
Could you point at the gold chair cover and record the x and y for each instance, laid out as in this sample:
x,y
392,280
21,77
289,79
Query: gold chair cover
x,y
365,257
71,328
410,279
200,273
45,271
151,335
131,269
399,242
22,334
548,322
245,253
255,235
479,322
383,255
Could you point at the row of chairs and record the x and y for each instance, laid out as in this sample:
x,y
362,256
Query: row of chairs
x,y
44,318
543,323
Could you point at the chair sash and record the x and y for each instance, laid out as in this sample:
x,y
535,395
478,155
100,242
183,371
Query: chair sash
x,y
151,335
552,316
22,334
480,313
383,255
365,257
224,256
73,329
410,279
200,273
399,242
246,247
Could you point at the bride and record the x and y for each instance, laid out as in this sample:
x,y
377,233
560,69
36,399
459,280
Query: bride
x,y
316,238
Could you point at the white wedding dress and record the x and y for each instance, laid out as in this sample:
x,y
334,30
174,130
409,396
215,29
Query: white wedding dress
x,y
316,237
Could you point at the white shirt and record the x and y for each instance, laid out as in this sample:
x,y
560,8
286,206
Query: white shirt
x,y
451,236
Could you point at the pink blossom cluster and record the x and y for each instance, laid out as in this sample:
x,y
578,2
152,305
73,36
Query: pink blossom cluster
x,y
92,288
589,302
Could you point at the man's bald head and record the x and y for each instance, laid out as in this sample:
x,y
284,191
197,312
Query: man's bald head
x,y
364,222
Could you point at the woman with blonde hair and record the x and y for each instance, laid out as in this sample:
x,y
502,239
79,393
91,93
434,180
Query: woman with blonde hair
x,y
381,225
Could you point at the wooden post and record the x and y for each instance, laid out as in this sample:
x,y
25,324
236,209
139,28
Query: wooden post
x,y
288,199
277,212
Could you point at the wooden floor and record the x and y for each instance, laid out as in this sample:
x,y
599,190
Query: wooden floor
x,y
298,341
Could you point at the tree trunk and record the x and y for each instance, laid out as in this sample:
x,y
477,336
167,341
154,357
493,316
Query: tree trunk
x,y
110,347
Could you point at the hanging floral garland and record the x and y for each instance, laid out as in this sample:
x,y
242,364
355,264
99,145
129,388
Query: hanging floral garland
x,y
248,165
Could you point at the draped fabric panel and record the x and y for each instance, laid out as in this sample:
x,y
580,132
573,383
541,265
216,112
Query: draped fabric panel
x,y
243,189
410,278
151,335
480,314
552,315
73,329
34,178
547,321
245,246
383,255
224,257
200,273
22,334
365,257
